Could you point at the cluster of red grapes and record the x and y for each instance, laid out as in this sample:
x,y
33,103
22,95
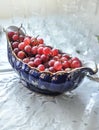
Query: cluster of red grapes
x,y
35,53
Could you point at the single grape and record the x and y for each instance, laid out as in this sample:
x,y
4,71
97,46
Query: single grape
x,y
40,50
44,58
15,37
51,69
76,64
34,41
15,45
55,52
47,50
27,49
10,34
31,63
26,60
21,55
37,61
41,67
51,62
27,41
34,50
21,46
66,64
40,40
16,50
57,66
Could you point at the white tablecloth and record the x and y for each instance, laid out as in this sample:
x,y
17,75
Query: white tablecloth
x,y
21,109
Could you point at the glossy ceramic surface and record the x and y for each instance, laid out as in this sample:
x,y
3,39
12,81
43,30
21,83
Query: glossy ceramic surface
x,y
46,82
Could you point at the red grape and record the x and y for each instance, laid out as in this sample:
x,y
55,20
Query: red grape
x,y
51,62
55,52
26,60
37,61
27,49
10,34
75,64
57,66
34,41
15,37
16,50
21,54
51,69
47,50
65,64
40,40
31,63
44,58
21,46
41,67
40,50
15,45
27,40
34,50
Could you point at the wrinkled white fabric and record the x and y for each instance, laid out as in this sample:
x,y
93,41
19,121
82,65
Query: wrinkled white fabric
x,y
21,109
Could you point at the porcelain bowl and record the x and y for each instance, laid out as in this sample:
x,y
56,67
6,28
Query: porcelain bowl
x,y
46,82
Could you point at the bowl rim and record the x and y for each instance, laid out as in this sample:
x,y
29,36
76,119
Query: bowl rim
x,y
45,71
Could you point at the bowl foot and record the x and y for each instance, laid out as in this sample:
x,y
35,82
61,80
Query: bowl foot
x,y
38,90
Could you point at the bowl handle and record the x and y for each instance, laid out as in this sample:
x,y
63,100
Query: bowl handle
x,y
95,71
92,65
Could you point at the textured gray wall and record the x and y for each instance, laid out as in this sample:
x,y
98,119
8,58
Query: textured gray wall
x,y
9,8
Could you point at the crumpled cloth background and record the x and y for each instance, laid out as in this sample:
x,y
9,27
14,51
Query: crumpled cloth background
x,y
21,109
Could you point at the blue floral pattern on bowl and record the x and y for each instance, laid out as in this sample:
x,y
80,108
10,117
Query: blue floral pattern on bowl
x,y
45,82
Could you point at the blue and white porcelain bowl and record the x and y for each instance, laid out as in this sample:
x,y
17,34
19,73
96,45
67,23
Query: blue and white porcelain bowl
x,y
46,82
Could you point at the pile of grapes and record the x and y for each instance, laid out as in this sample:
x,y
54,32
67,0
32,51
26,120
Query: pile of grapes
x,y
35,53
